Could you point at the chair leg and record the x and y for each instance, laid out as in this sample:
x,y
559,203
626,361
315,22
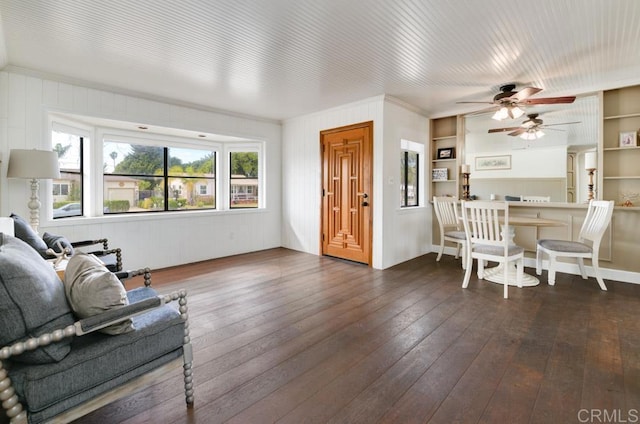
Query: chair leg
x,y
457,250
506,280
538,261
552,270
481,269
464,255
583,271
596,271
441,248
467,272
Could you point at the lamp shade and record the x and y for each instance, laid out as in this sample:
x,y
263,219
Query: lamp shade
x,y
590,160
38,164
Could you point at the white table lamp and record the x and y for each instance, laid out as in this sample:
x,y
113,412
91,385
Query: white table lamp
x,y
34,165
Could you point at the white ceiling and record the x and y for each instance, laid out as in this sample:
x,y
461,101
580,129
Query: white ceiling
x,y
278,59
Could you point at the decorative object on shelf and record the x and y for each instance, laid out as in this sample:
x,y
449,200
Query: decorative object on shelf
x,y
447,153
486,163
465,171
628,139
34,165
440,174
628,197
590,165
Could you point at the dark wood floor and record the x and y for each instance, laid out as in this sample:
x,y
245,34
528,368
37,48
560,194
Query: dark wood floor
x,y
283,336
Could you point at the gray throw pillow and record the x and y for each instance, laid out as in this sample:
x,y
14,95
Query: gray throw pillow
x,y
32,301
53,242
92,289
24,232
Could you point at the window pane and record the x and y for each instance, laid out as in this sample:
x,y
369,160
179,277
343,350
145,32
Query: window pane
x,y
412,179
191,163
67,190
409,178
132,159
244,180
133,194
191,193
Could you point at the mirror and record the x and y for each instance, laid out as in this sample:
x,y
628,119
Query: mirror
x,y
552,165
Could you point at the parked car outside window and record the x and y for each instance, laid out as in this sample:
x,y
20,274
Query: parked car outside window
x,y
70,209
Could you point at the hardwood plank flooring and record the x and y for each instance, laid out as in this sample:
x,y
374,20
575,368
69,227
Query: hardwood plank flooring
x,y
288,337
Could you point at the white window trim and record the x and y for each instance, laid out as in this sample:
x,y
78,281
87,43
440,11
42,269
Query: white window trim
x,y
257,147
412,146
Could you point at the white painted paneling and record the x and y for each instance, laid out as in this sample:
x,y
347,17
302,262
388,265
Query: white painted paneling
x,y
407,231
156,242
397,235
280,59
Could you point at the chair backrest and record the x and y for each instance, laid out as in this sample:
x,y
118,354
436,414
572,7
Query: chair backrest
x,y
537,199
596,221
6,225
483,222
447,212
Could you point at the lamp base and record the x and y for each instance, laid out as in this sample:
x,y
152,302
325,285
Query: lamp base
x,y
34,205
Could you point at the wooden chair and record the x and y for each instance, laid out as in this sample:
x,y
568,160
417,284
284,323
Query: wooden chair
x,y
587,245
483,224
450,226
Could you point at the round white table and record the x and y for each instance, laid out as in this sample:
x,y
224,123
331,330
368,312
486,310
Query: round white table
x,y
496,274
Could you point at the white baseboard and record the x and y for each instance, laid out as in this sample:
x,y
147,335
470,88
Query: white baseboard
x,y
570,268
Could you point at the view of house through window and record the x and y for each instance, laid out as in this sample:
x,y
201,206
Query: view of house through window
x,y
146,178
409,178
67,191
243,181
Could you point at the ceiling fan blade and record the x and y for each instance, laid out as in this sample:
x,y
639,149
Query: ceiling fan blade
x,y
484,103
548,100
563,123
499,130
525,93
481,111
518,132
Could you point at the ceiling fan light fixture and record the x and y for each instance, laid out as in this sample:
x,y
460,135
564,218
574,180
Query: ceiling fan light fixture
x,y
532,135
501,114
516,112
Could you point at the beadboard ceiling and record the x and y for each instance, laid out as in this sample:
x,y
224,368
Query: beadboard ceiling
x,y
278,59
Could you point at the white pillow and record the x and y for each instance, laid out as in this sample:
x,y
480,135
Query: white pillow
x,y
92,289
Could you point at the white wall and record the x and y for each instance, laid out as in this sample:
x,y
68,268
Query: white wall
x,y
406,231
398,235
157,240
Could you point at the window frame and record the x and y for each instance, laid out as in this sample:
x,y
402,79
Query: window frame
x,y
407,146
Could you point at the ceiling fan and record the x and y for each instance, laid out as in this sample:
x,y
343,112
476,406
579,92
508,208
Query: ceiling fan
x,y
508,102
530,129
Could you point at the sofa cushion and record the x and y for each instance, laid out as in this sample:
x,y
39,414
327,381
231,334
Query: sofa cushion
x,y
24,232
92,289
53,242
99,362
32,301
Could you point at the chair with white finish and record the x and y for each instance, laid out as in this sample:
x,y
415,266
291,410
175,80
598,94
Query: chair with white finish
x,y
483,226
450,226
587,246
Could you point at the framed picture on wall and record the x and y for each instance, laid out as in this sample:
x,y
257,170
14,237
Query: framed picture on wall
x,y
486,163
628,139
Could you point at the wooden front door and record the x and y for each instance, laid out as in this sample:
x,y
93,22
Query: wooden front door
x,y
346,192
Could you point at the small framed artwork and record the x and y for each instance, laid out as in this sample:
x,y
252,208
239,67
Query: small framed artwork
x,y
628,139
440,174
447,153
486,163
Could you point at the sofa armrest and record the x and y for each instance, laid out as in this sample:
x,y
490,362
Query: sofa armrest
x,y
96,322
127,275
104,241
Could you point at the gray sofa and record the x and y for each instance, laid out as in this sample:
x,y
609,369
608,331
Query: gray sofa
x,y
60,359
